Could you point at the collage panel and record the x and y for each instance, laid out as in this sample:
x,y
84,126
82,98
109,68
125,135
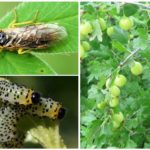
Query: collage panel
x,y
39,38
115,75
39,112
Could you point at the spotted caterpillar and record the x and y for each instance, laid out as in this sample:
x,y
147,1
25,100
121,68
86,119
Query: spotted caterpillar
x,y
48,108
16,94
11,114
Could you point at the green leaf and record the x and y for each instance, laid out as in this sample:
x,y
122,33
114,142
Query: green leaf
x,y
118,46
120,35
93,92
97,31
94,69
133,123
130,9
65,14
146,145
22,64
140,42
88,118
131,144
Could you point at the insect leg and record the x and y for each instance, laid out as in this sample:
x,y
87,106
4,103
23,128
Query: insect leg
x,y
14,23
22,51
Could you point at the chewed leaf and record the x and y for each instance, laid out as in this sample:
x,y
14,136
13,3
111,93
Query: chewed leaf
x,y
48,137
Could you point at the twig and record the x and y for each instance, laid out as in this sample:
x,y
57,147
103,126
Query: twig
x,y
140,4
128,57
121,64
121,3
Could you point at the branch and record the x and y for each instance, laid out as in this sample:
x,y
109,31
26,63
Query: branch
x,y
128,57
140,4
121,4
125,60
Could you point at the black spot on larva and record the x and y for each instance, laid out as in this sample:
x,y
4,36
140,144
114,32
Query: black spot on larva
x,y
12,84
26,96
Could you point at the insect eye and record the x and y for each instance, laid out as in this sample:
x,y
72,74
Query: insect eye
x,y
2,38
61,113
2,35
35,97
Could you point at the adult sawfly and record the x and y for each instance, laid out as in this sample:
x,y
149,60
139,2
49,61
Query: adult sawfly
x,y
26,36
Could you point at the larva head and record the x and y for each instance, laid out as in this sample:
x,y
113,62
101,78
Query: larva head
x,y
35,97
49,108
30,97
3,38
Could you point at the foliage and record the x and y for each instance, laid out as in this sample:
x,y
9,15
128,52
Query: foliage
x,y
124,124
40,62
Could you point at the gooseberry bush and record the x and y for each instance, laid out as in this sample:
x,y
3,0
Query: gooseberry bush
x,y
115,75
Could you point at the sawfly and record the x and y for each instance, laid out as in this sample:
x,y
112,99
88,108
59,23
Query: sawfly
x,y
26,36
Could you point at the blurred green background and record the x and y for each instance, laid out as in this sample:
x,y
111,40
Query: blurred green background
x,y
70,61
63,89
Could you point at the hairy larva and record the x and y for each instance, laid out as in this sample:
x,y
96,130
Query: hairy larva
x,y
31,36
16,94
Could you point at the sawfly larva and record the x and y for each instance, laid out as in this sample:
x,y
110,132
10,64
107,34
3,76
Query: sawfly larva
x,y
16,94
9,117
47,108
32,36
10,135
